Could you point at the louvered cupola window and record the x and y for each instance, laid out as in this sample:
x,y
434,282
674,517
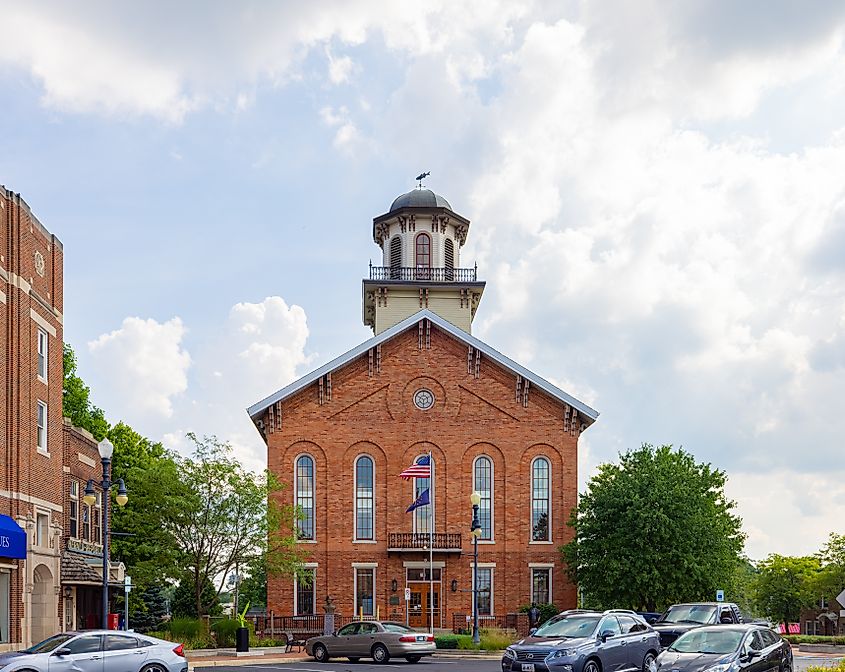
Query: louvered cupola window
x,y
450,259
395,257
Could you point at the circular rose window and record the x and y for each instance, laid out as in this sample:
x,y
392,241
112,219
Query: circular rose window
x,y
423,399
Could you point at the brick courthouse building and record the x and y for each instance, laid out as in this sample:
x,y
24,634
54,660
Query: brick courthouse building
x,y
341,435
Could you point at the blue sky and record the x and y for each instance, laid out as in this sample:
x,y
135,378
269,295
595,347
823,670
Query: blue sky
x,y
655,190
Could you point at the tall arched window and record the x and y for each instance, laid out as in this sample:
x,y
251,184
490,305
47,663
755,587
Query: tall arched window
x,y
423,256
364,498
540,510
304,496
395,257
422,515
483,485
449,255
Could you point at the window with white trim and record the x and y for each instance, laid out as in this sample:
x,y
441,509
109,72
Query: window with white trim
x,y
483,485
73,513
364,498
42,354
541,585
484,585
306,590
41,436
304,496
540,477
96,519
42,530
86,522
365,582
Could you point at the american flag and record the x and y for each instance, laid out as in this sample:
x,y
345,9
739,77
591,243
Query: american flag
x,y
420,469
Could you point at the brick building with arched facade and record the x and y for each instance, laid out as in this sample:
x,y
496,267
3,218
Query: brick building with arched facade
x,y
341,435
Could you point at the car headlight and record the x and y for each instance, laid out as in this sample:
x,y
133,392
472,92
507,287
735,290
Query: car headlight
x,y
731,666
510,653
560,653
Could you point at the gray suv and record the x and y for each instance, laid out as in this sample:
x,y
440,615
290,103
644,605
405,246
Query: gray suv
x,y
586,641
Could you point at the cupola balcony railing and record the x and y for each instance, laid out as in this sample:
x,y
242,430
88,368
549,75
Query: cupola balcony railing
x,y
424,274
448,542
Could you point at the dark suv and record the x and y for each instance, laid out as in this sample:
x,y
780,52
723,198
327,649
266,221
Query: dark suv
x,y
681,618
586,641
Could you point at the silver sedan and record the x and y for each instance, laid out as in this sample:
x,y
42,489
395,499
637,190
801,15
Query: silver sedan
x,y
379,640
98,651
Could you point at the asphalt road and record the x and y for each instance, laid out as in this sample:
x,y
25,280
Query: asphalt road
x,y
430,665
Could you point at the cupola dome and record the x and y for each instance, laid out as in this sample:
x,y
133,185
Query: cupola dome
x,y
419,198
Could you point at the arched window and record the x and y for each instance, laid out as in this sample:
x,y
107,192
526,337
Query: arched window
x,y
304,496
395,257
423,256
483,485
422,515
540,511
364,498
449,254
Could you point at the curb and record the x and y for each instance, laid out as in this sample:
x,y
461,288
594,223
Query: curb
x,y
238,662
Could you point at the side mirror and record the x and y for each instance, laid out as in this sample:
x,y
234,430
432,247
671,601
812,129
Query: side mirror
x,y
751,654
606,634
334,634
531,632
63,652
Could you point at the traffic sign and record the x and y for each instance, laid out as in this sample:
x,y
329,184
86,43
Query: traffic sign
x,y
127,583
407,594
841,598
720,596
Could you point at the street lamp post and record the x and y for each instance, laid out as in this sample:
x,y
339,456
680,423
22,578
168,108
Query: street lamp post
x,y
105,448
475,531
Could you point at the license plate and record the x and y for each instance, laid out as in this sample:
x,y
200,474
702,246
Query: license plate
x,y
421,638
528,667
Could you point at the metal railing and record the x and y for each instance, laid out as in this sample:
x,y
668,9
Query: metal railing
x,y
414,274
421,541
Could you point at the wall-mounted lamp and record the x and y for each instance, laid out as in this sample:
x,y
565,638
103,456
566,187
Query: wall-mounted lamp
x,y
68,592
393,585
454,585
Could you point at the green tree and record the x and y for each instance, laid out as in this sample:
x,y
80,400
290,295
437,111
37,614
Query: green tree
x,y
785,585
253,588
76,399
230,517
654,529
830,580
184,602
150,610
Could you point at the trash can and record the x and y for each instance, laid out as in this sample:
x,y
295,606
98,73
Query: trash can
x,y
114,621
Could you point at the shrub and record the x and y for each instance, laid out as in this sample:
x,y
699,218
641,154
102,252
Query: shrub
x,y
465,642
446,641
494,639
814,639
186,628
224,632
839,667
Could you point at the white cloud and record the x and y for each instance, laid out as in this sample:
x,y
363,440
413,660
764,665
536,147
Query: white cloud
x,y
340,68
144,366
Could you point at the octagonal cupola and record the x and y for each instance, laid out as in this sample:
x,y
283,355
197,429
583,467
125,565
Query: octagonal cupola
x,y
420,237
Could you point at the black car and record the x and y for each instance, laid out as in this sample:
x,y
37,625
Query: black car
x,y
681,618
586,641
727,648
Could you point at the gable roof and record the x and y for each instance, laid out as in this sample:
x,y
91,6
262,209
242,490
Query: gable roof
x,y
258,408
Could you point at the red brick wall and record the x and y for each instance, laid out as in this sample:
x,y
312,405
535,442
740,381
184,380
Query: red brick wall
x,y
471,416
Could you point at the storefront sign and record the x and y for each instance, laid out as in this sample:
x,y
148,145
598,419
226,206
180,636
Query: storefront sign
x,y
82,546
12,539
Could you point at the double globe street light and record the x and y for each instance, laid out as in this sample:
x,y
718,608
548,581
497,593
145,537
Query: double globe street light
x,y
105,448
475,531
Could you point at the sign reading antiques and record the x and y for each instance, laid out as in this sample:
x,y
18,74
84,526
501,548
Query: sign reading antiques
x,y
12,539
86,547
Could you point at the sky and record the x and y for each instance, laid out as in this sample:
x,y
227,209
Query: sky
x,y
655,188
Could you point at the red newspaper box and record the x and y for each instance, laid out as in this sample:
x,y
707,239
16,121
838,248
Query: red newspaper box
x,y
114,621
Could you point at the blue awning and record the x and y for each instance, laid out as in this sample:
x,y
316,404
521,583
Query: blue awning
x,y
12,539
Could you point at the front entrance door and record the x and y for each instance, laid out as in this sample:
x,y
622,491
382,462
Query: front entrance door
x,y
420,604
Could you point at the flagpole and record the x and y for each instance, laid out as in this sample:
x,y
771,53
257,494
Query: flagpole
x,y
431,545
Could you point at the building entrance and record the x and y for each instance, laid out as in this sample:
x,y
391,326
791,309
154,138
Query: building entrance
x,y
425,595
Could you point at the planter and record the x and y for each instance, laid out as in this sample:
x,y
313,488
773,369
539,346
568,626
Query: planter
x,y
242,639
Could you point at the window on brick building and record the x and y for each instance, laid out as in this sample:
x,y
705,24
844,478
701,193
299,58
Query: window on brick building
x,y
73,513
364,498
422,515
41,432
42,530
541,585
540,478
86,522
482,483
304,496
42,355
306,589
485,591
365,581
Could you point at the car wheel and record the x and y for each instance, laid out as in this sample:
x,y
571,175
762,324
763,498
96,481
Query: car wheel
x,y
591,666
353,659
785,667
380,653
155,667
413,659
321,653
649,662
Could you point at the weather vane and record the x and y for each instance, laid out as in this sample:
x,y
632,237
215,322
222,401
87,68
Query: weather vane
x,y
419,178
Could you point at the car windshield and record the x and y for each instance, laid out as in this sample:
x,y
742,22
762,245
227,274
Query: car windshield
x,y
49,644
397,627
708,641
690,613
568,626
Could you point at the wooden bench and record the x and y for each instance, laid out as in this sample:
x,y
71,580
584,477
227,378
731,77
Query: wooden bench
x,y
297,638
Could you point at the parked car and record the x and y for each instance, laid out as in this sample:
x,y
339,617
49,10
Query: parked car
x,y
727,648
586,641
379,640
681,618
651,617
100,651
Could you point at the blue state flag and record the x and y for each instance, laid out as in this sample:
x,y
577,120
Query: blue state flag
x,y
422,500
